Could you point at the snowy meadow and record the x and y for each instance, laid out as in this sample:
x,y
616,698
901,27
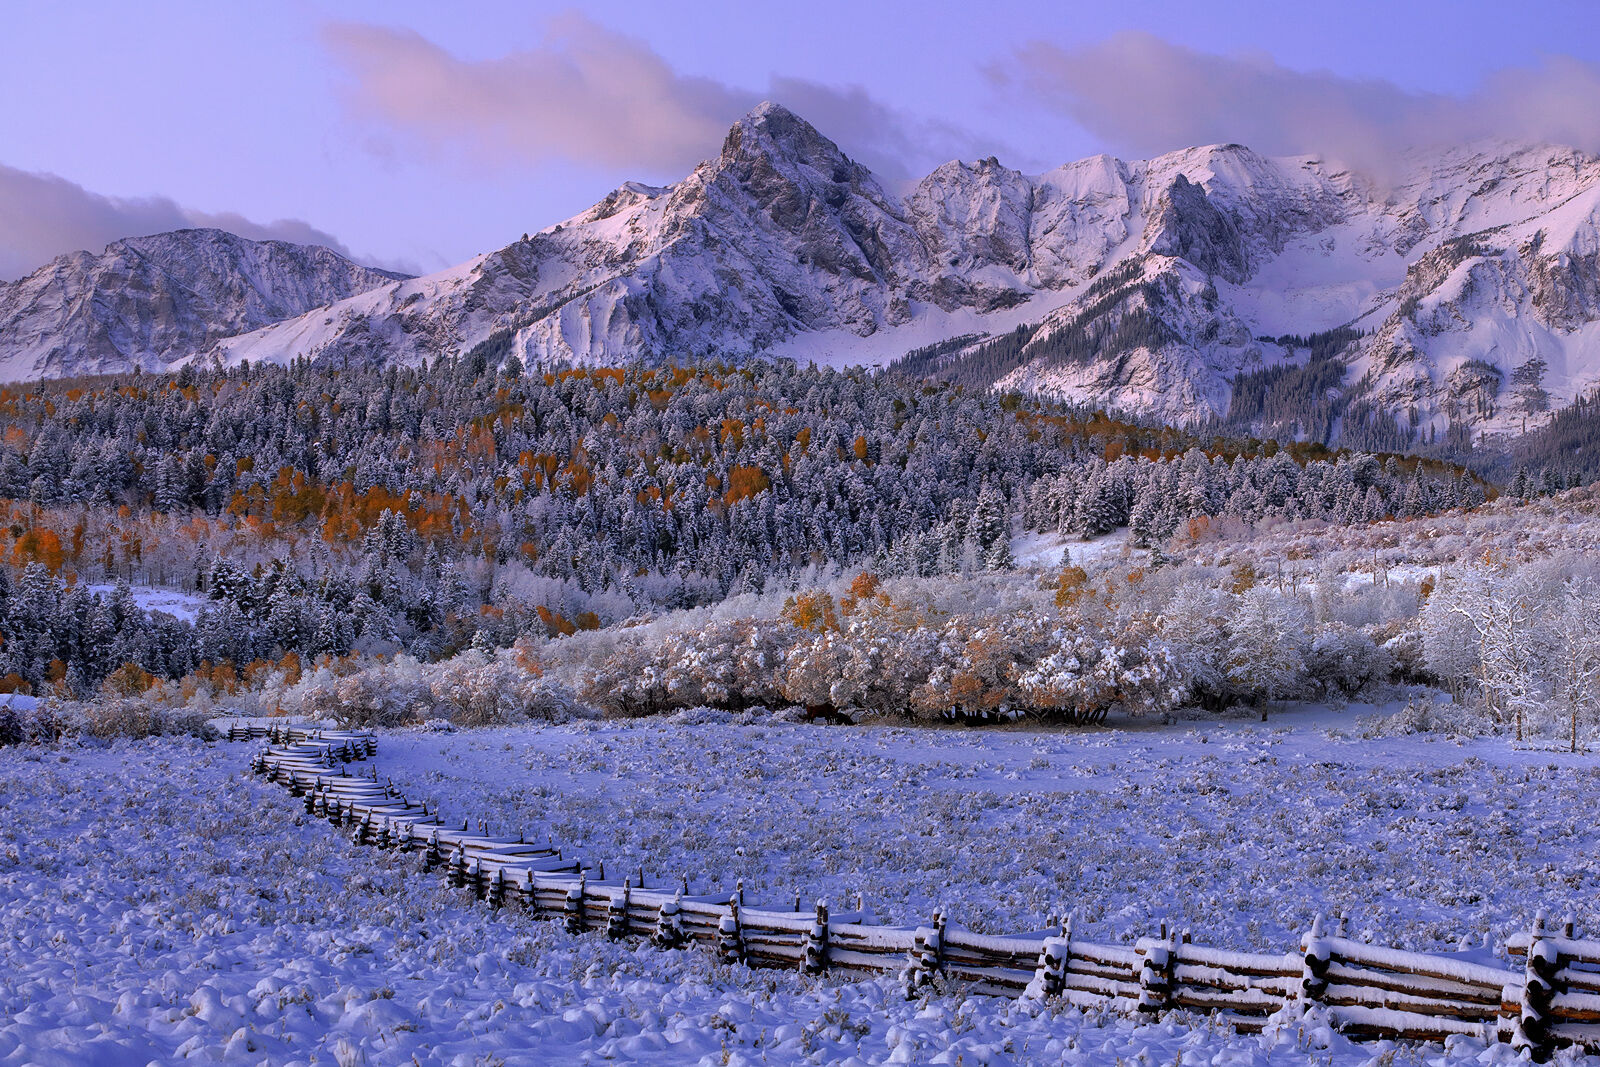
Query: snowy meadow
x,y
161,905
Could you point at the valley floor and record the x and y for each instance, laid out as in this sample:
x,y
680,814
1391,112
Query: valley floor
x,y
158,903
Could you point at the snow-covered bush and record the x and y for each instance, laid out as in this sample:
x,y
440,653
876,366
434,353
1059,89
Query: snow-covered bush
x,y
132,717
1421,716
476,689
384,694
11,727
1342,659
1268,634
30,721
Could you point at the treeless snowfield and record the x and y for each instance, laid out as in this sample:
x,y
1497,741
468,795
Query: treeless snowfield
x,y
159,904
1241,831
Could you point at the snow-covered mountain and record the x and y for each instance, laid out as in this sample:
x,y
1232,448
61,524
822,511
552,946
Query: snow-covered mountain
x,y
1290,290
1467,294
149,301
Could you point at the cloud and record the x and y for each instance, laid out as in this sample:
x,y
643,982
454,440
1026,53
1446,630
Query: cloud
x,y
590,95
43,216
1144,95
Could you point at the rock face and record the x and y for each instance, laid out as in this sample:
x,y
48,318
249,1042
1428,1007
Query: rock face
x,y
1464,295
149,301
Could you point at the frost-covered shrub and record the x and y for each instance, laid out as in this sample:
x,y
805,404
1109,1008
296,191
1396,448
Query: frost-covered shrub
x,y
385,694
1088,675
1424,716
1451,646
135,718
549,700
627,683
1268,638
1346,660
11,730
474,689
49,721
1404,647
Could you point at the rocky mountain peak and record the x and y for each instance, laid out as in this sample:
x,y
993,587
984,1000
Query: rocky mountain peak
x,y
774,132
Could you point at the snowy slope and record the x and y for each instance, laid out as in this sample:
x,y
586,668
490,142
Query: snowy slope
x,y
150,301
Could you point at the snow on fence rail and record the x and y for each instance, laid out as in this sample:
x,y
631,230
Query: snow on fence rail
x,y
1369,991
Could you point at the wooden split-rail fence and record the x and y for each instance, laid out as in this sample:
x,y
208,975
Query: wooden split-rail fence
x,y
1552,999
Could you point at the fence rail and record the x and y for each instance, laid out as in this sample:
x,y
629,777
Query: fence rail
x,y
1369,991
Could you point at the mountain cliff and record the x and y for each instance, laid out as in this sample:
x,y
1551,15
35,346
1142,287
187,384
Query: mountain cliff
x,y
149,301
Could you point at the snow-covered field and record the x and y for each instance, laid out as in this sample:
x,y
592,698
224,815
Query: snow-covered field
x,y
1242,831
180,605
1033,548
158,904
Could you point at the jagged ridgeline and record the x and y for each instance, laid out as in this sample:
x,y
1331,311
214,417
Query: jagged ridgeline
x,y
325,510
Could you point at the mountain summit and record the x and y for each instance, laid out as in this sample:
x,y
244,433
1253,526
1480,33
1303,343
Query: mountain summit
x,y
1208,283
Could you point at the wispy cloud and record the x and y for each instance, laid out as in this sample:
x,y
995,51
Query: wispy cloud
x,y
590,95
1145,95
43,216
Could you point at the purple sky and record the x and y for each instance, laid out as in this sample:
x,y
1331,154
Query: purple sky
x,y
417,134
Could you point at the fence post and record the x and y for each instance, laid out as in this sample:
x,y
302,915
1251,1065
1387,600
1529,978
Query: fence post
x,y
1155,972
814,950
497,888
1314,972
927,956
617,916
669,923
730,935
1532,1031
1050,976
575,904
